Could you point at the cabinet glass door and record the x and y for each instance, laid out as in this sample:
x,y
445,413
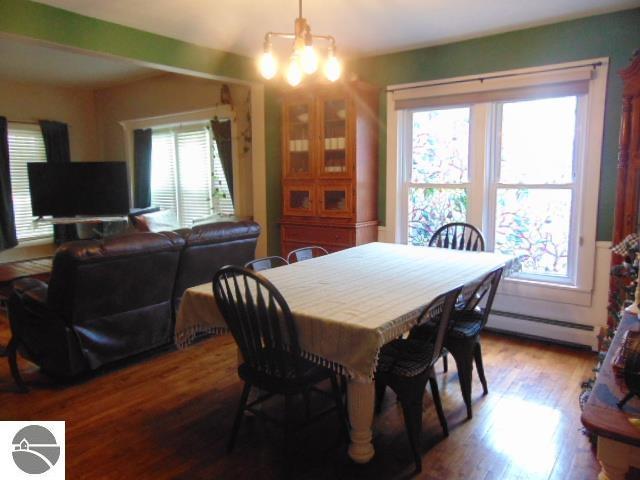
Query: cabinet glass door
x,y
298,200
298,138
335,200
334,142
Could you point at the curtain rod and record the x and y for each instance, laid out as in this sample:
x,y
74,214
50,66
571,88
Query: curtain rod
x,y
481,79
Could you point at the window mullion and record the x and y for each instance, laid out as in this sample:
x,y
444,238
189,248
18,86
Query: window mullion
x,y
407,156
492,153
477,168
177,189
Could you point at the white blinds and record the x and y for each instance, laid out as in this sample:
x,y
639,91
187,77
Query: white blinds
x,y
194,175
164,192
25,145
181,172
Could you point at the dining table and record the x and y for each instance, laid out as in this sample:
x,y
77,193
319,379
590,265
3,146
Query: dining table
x,y
348,304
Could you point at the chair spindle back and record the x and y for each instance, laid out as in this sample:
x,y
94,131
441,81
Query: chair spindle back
x,y
260,321
458,236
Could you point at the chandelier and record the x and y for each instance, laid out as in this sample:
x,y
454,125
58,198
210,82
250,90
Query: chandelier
x,y
304,58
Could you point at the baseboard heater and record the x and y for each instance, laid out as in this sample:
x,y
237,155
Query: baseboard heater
x,y
541,320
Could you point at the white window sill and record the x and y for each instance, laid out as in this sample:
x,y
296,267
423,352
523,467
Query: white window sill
x,y
35,241
29,250
557,293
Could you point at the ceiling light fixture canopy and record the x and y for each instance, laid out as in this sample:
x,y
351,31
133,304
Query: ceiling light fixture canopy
x,y
304,59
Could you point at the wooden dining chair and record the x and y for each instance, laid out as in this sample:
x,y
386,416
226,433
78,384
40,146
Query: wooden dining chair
x,y
458,236
263,327
463,339
265,263
305,253
406,365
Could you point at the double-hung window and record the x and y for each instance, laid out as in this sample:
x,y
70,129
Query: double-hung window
x,y
25,146
186,174
534,198
511,161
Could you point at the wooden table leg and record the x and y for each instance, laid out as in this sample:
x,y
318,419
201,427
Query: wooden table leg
x,y
360,404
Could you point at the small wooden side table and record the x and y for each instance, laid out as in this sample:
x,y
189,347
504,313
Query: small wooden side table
x,y
618,439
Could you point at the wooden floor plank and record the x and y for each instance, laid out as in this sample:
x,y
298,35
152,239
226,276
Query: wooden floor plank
x,y
169,415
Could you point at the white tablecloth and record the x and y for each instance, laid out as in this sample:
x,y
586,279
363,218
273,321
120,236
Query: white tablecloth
x,y
349,304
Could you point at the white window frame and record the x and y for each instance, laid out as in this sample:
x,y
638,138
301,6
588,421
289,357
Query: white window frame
x,y
184,119
173,132
36,237
578,164
580,291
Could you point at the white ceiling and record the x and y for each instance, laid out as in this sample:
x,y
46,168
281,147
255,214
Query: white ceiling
x,y
34,63
361,27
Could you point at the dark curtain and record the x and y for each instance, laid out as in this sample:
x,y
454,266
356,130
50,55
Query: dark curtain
x,y
8,237
56,141
142,168
56,144
222,136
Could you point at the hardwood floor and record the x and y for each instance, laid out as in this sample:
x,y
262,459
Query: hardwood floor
x,y
169,415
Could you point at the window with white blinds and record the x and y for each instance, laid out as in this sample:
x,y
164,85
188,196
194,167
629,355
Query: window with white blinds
x,y
183,173
25,146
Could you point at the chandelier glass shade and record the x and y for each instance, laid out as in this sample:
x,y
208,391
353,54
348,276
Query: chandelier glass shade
x,y
304,58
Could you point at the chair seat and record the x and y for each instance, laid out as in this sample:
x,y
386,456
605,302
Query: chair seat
x,y
467,324
310,374
405,357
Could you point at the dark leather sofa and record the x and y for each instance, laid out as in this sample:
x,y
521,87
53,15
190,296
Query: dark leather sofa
x,y
116,297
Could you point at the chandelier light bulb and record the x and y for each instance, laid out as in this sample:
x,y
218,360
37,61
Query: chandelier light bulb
x,y
309,60
294,72
268,65
332,68
304,59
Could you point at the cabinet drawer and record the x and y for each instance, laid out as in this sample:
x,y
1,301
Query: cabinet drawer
x,y
314,235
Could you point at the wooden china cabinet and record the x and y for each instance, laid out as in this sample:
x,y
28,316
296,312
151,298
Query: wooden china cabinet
x,y
627,219
329,171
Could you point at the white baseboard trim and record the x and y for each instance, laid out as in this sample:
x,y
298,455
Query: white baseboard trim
x,y
547,329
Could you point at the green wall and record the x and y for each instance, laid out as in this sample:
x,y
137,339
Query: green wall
x,y
614,35
42,22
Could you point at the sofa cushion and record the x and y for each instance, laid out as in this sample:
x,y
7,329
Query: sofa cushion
x,y
211,246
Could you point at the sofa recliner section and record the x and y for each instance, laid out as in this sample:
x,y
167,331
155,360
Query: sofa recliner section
x,y
116,297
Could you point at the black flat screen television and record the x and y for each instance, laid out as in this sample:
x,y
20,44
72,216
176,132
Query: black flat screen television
x,y
78,188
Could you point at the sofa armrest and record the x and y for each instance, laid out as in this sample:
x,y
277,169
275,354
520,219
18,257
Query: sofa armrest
x,y
32,292
23,285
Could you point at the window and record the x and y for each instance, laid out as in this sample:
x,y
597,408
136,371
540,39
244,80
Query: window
x,y
522,190
186,174
515,153
534,185
439,177
25,145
